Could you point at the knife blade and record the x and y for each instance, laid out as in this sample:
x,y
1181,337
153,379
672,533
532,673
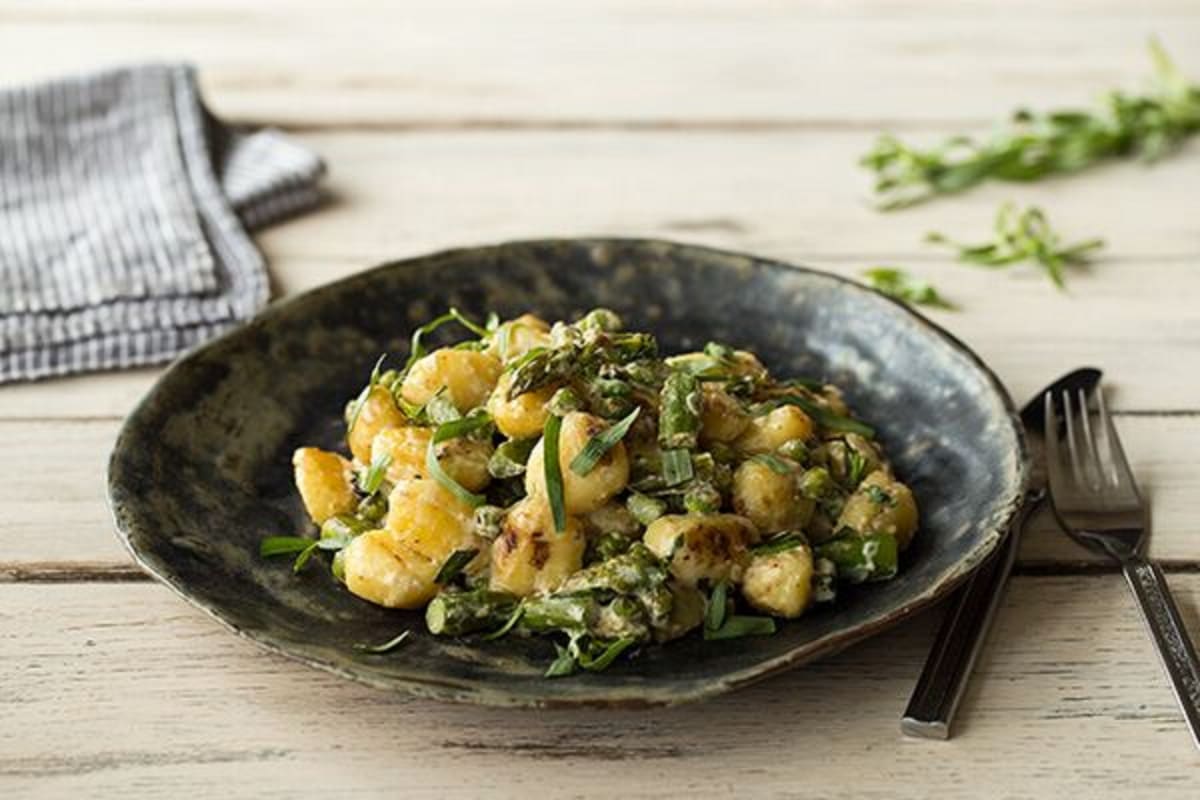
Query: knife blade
x,y
972,607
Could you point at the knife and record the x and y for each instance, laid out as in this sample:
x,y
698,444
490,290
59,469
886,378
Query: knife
x,y
971,608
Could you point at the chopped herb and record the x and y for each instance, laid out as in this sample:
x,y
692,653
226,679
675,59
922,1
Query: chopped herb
x,y
779,544
482,331
416,348
599,445
370,480
856,466
361,400
414,411
454,565
302,546
774,463
607,656
736,627
677,466
1038,145
386,647
445,432
553,472
899,284
878,496
284,545
513,619
1023,235
717,606
305,556
565,663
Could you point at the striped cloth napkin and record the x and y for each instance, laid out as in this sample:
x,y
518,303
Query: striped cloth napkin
x,y
124,210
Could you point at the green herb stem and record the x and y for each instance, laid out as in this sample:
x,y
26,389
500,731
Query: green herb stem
x,y
599,445
553,472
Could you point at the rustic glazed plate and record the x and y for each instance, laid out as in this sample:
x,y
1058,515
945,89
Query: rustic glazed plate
x,y
201,471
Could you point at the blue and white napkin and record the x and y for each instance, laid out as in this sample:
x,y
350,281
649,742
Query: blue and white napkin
x,y
124,210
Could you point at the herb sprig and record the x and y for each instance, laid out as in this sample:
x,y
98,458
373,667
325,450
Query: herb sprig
x,y
1023,235
897,283
445,432
386,647
601,443
1037,145
552,472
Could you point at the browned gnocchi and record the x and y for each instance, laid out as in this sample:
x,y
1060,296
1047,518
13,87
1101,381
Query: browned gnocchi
x,y
566,479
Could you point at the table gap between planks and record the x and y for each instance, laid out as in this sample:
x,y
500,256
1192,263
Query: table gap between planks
x,y
734,124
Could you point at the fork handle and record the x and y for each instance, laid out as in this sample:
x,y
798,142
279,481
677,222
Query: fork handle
x,y
1162,617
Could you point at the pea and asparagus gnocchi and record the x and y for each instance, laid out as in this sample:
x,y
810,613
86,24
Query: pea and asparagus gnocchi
x,y
568,480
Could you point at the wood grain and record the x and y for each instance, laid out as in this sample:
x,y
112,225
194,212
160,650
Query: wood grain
x,y
617,62
733,123
397,196
56,524
116,687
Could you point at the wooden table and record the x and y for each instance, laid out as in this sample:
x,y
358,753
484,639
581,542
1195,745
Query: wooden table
x,y
728,122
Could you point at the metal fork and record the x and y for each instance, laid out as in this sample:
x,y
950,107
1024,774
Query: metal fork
x,y
1096,499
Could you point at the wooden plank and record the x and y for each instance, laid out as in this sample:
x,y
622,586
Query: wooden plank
x,y
800,194
787,195
614,62
112,687
56,525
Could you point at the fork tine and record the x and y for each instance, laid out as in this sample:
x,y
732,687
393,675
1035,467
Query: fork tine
x,y
1093,467
1072,438
1054,465
1118,464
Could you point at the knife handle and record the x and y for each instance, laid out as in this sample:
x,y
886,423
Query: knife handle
x,y
959,640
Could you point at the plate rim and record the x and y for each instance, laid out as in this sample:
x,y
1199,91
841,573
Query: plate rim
x,y
645,695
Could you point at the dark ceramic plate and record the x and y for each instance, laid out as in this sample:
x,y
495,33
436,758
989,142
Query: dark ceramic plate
x,y
201,470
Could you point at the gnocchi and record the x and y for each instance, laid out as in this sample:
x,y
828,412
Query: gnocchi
x,y
468,376
581,493
685,487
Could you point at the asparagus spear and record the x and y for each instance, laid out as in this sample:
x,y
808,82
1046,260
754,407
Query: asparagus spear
x,y
542,366
862,558
679,412
459,613
570,613
584,351
633,571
